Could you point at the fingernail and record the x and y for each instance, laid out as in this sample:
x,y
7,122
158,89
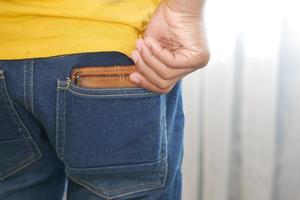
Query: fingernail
x,y
134,79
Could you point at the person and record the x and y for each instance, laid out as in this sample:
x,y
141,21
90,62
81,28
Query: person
x,y
90,97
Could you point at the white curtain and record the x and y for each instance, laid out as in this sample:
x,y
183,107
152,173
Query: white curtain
x,y
242,138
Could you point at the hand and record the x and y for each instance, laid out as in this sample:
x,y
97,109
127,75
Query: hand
x,y
174,44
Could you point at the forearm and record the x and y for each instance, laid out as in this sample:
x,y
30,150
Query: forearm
x,y
187,6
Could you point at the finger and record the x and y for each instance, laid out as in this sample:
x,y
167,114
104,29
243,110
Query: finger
x,y
148,73
157,66
181,58
144,83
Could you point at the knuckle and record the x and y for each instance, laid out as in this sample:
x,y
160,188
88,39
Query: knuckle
x,y
166,90
172,64
140,69
166,74
147,54
158,52
163,85
145,84
155,52
203,58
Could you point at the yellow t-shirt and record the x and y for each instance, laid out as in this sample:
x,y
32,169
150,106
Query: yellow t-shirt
x,y
43,28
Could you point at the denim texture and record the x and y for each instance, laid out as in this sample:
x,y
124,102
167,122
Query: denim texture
x,y
112,143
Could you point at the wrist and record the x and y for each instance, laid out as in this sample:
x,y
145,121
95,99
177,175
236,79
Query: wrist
x,y
185,7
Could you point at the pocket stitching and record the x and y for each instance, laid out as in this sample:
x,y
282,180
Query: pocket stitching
x,y
155,185
16,168
35,151
114,95
104,193
60,113
9,104
56,120
94,92
80,170
163,171
98,192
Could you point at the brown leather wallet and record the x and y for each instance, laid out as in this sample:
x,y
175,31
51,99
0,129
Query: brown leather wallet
x,y
103,76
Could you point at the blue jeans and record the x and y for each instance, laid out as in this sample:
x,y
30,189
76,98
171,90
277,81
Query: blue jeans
x,y
113,143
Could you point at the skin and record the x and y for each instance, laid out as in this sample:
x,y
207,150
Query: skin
x,y
174,45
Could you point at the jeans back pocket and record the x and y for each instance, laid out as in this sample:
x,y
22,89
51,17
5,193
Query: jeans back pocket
x,y
113,141
17,148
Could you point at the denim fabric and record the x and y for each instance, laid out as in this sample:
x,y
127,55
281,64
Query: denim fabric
x,y
113,143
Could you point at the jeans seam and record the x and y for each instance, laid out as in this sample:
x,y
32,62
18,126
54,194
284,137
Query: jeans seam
x,y
28,85
64,126
60,120
57,119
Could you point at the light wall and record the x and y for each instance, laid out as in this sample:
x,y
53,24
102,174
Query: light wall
x,y
242,138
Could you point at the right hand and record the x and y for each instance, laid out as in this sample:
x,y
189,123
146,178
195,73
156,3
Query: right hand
x,y
174,45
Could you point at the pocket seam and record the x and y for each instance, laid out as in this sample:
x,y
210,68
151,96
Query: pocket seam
x,y
8,101
26,162
105,92
35,151
98,191
162,174
115,190
14,112
80,170
115,95
60,114
145,187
